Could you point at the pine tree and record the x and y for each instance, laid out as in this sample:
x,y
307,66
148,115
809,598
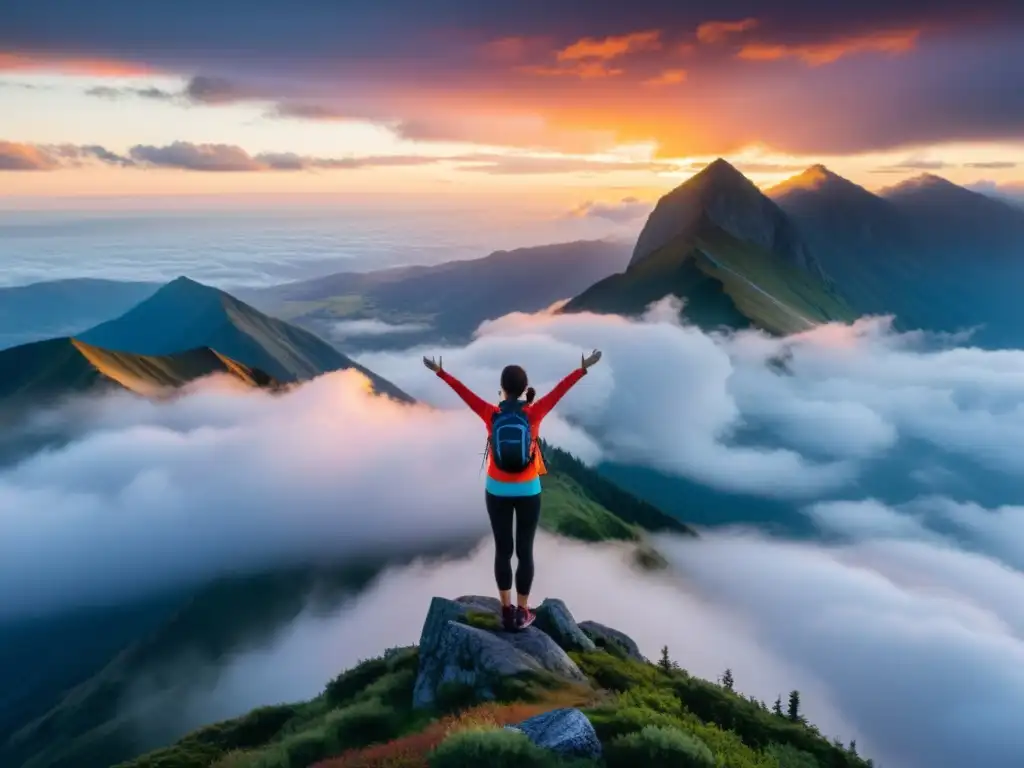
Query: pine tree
x,y
727,680
793,713
853,747
665,662
777,706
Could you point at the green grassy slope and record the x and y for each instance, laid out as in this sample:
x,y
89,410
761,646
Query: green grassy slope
x,y
724,281
581,504
58,367
87,728
185,314
363,719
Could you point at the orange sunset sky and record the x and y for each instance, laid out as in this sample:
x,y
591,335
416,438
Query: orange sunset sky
x,y
119,98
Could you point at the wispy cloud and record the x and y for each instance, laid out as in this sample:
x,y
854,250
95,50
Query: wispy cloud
x,y
667,77
111,92
890,41
628,209
25,157
611,47
588,58
712,32
525,164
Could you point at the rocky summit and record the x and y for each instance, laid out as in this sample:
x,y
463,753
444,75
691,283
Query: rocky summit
x,y
560,694
464,651
463,645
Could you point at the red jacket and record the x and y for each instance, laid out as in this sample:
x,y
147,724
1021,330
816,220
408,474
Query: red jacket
x,y
535,412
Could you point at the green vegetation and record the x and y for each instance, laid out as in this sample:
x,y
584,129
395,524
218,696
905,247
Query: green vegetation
x,y
725,282
570,512
659,745
741,733
367,704
481,620
87,726
644,714
493,747
579,503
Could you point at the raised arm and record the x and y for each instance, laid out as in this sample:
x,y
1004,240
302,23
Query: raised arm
x,y
477,404
542,407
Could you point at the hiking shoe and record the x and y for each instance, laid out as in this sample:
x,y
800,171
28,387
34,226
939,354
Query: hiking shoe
x,y
524,617
508,618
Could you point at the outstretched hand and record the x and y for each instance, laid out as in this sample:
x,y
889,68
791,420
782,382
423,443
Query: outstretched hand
x,y
429,362
589,361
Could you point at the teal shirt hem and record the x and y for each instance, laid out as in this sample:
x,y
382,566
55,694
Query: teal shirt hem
x,y
498,488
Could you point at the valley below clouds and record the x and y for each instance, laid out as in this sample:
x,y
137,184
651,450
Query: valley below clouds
x,y
897,615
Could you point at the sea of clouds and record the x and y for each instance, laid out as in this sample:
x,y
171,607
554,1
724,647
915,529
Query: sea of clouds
x,y
901,625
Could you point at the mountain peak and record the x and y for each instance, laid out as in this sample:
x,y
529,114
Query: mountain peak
x,y
924,182
814,178
817,179
718,172
721,196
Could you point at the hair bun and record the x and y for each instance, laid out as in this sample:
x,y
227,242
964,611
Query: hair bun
x,y
530,394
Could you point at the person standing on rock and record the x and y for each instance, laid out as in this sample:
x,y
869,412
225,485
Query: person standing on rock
x,y
514,467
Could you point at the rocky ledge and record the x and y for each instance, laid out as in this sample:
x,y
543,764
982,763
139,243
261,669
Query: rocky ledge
x,y
463,648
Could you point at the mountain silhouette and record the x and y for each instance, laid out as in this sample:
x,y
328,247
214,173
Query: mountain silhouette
x,y
955,221
185,314
730,253
58,367
934,254
727,199
64,307
442,302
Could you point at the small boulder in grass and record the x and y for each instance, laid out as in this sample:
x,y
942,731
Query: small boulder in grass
x,y
566,732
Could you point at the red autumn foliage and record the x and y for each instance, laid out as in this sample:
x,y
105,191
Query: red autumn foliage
x,y
411,751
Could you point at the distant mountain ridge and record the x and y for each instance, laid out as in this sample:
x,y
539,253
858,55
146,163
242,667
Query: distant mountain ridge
x,y
64,307
934,254
441,303
730,253
185,314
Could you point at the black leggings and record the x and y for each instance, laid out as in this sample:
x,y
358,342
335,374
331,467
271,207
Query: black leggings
x,y
527,514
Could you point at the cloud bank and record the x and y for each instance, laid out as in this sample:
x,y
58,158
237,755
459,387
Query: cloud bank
x,y
901,626
626,210
909,646
795,418
241,482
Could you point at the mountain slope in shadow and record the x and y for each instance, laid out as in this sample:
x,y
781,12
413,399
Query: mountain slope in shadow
x,y
185,314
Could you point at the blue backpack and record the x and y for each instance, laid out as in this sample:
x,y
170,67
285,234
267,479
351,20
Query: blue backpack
x,y
511,440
